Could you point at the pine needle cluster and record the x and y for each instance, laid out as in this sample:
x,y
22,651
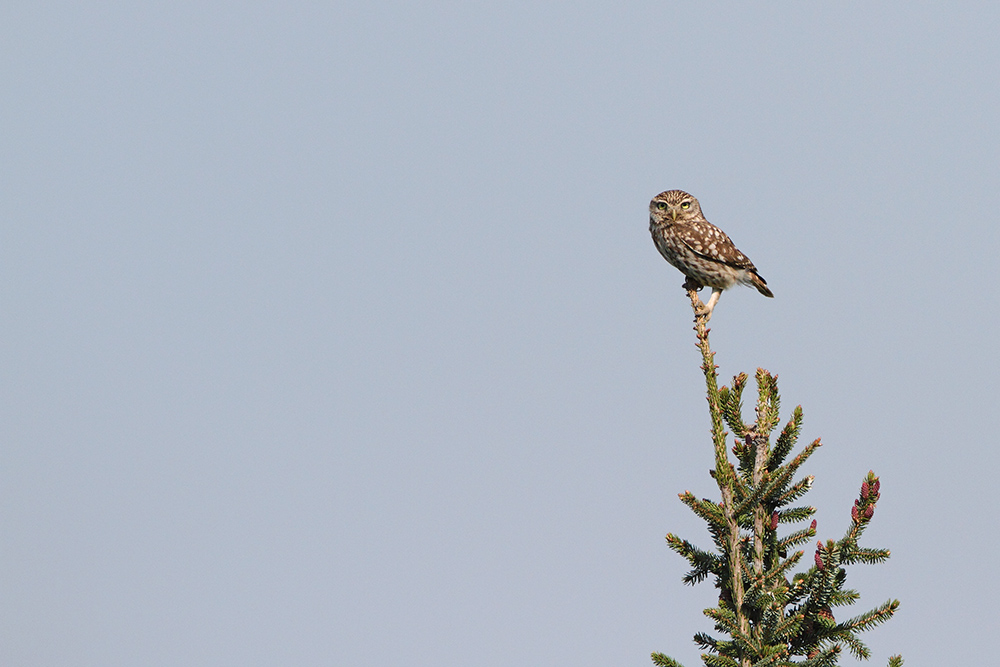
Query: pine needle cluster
x,y
767,614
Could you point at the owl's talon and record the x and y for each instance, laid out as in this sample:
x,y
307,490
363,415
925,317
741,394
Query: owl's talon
x,y
692,285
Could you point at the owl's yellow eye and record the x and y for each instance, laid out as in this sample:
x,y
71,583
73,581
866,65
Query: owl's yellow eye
x,y
661,206
686,205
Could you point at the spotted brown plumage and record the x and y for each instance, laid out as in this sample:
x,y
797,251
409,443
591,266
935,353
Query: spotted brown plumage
x,y
698,248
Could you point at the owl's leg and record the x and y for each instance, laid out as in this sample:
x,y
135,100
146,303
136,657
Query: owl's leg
x,y
712,300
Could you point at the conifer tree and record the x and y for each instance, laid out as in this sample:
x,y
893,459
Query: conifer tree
x,y
767,614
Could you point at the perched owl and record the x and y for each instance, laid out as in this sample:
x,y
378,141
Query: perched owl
x,y
698,248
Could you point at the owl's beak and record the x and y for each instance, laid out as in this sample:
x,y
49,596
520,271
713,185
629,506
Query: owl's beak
x,y
673,214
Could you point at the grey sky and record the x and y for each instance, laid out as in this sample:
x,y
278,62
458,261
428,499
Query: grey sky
x,y
333,333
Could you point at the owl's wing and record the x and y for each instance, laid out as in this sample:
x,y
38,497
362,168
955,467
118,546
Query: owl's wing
x,y
708,241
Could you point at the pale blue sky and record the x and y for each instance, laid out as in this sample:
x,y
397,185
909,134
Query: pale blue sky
x,y
332,334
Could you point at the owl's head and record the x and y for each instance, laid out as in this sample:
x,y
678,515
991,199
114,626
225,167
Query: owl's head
x,y
674,206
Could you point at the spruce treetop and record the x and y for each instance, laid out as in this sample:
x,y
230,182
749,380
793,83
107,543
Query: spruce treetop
x,y
768,613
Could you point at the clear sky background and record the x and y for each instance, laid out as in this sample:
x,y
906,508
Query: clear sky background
x,y
333,334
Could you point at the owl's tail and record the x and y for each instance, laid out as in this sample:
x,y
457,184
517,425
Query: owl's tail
x,y
760,284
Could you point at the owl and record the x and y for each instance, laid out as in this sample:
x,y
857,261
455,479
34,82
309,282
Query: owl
x,y
698,248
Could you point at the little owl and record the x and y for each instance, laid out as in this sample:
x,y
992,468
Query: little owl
x,y
698,248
